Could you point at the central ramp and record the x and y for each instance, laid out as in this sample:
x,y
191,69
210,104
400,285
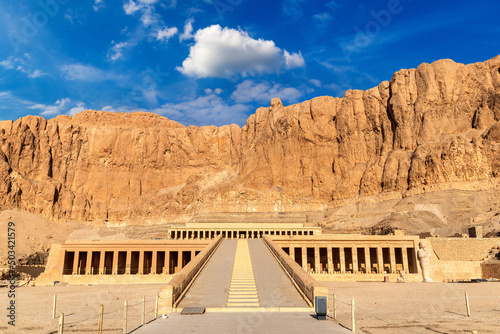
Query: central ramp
x,y
242,290
243,274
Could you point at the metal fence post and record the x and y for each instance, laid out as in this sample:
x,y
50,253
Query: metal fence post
x,y
60,327
54,307
352,317
125,318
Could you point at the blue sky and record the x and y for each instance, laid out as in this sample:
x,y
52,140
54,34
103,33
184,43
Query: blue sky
x,y
215,61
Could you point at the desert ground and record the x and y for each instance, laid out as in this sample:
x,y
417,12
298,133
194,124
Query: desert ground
x,y
381,308
393,308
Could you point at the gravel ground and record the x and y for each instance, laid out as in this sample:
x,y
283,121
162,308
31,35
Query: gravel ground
x,y
418,307
80,305
414,307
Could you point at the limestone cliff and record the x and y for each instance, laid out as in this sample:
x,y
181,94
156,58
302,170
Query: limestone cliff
x,y
434,125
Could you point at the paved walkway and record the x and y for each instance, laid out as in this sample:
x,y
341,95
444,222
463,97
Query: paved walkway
x,y
242,275
212,286
253,279
242,323
273,285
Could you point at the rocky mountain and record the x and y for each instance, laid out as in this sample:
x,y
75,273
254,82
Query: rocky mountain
x,y
431,128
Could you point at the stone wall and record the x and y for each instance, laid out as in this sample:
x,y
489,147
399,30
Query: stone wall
x,y
491,269
462,249
458,258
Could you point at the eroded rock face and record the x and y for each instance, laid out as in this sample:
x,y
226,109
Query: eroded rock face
x,y
428,126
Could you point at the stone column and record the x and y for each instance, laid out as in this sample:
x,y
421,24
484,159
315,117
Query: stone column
x,y
166,265
380,260
193,254
317,263
342,260
154,263
330,259
292,252
304,257
179,261
75,263
89,262
368,262
101,263
141,262
393,260
406,267
354,258
128,262
114,271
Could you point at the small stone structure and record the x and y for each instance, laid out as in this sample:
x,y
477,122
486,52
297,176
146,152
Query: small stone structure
x,y
476,232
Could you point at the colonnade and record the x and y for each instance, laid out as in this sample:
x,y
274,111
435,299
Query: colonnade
x,y
202,234
389,259
93,261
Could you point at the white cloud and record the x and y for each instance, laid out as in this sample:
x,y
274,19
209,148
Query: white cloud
x,y
322,17
146,7
315,82
22,65
124,109
131,7
216,91
116,51
62,106
166,34
81,72
250,91
229,52
7,63
188,31
78,109
98,4
293,60
55,109
36,74
207,109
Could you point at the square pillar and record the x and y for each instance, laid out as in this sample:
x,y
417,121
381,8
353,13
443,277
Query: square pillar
x,y
304,258
89,262
154,263
141,263
342,260
75,263
406,267
317,263
114,270
166,264
128,262
368,262
380,260
292,252
354,258
101,263
330,259
393,260
193,254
